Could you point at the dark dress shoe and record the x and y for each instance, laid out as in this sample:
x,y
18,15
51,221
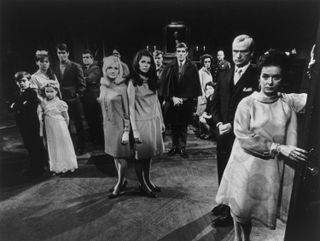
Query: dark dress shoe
x,y
173,151
183,153
147,193
207,137
121,188
223,221
156,189
220,209
202,136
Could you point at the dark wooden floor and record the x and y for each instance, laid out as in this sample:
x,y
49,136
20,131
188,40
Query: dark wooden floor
x,y
76,206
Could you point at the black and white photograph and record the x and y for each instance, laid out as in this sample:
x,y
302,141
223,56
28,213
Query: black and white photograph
x,y
159,120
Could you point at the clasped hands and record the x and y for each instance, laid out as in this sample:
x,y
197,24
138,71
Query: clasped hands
x,y
177,101
224,128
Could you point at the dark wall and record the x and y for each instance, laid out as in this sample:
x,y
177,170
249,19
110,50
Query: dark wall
x,y
131,25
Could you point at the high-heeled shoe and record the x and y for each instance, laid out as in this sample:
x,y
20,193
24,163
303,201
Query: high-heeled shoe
x,y
121,188
114,195
155,189
147,193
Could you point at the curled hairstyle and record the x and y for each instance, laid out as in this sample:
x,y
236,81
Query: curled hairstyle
x,y
206,56
277,58
151,74
107,62
274,57
19,76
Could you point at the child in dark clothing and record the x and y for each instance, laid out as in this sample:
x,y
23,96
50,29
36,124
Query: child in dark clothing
x,y
205,120
25,108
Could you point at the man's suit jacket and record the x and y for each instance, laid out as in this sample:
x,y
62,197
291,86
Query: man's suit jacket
x,y
92,76
72,82
227,95
188,86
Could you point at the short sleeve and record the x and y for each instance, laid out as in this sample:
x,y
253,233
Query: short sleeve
x,y
62,106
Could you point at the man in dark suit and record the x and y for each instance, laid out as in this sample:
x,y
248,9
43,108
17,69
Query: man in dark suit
x,y
72,86
232,86
92,111
180,85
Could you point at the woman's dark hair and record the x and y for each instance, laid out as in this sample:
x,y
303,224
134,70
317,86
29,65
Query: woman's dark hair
x,y
21,75
274,57
41,56
151,75
206,56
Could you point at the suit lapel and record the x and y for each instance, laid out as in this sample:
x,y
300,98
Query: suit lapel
x,y
242,81
68,66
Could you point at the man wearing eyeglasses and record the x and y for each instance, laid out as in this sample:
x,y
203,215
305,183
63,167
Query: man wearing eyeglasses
x,y
232,86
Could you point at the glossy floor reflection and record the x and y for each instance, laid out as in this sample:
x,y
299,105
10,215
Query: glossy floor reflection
x,y
76,206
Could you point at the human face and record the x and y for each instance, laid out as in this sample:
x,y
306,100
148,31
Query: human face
x,y
144,64
63,55
270,80
43,64
220,55
23,84
181,54
158,60
241,53
207,63
112,71
50,92
87,59
209,90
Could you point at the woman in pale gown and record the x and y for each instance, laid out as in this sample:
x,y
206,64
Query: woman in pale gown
x,y
146,119
256,183
116,125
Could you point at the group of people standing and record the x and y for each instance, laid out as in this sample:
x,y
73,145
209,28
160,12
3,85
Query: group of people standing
x,y
255,126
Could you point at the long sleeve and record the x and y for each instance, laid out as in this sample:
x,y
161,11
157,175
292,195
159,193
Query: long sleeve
x,y
297,102
132,111
249,140
93,77
215,110
80,80
126,112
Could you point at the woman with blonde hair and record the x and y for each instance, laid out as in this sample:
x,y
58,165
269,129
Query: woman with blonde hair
x,y
116,124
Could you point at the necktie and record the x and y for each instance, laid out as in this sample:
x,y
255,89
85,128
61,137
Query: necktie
x,y
237,76
180,70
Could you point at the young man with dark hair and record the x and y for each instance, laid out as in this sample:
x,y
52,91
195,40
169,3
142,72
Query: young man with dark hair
x,y
180,85
92,111
72,86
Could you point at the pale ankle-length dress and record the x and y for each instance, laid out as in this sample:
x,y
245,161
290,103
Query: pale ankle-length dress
x,y
256,184
62,157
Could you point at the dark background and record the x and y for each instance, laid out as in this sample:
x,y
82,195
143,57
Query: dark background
x,y
131,25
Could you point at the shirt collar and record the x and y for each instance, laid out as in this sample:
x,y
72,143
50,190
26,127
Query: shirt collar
x,y
243,68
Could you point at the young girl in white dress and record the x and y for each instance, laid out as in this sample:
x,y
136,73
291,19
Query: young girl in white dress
x,y
54,113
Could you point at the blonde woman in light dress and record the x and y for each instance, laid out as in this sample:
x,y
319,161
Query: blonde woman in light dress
x,y
116,125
